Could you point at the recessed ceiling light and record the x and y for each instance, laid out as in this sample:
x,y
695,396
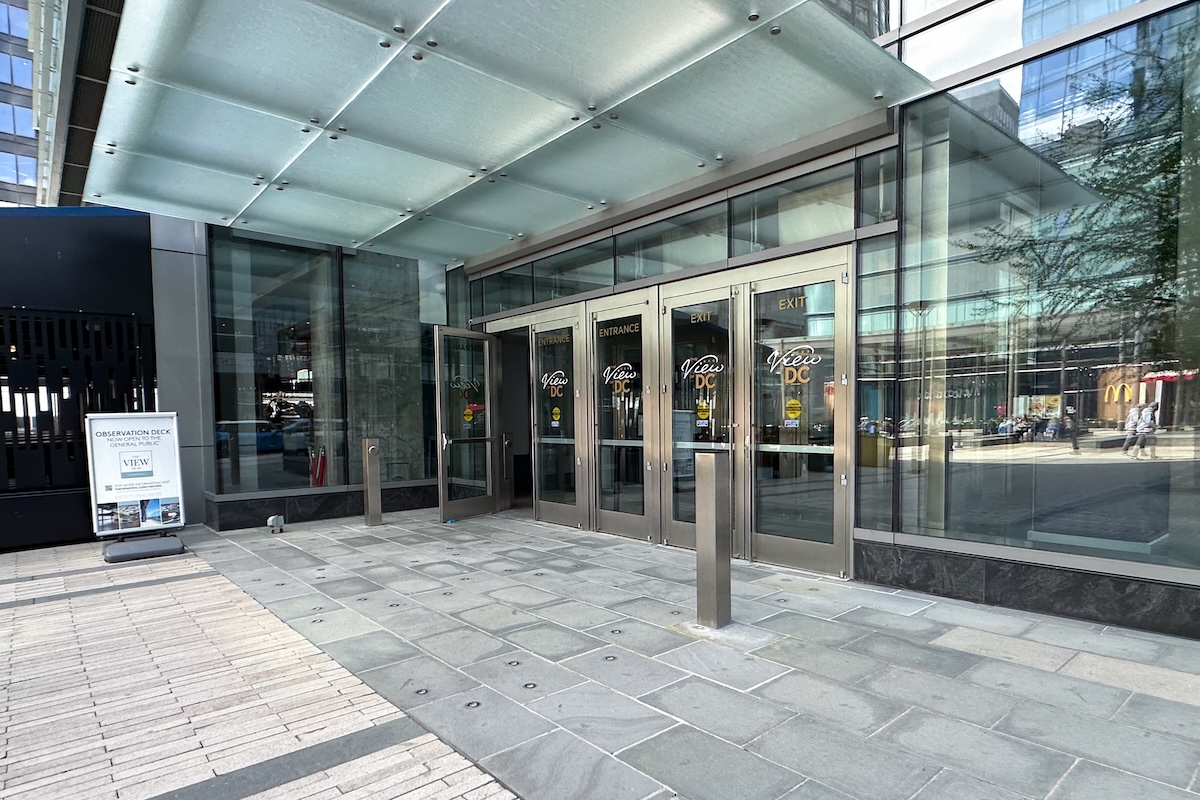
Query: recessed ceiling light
x,y
333,136
223,219
285,183
132,68
701,164
591,108
385,43
417,56
491,180
718,158
279,188
776,30
472,175
575,118
257,183
431,43
590,208
131,81
315,121
753,17
342,128
398,29
97,194
503,174
109,152
305,129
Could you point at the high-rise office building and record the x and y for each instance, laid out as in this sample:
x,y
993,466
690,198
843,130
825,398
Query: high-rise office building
x,y
18,138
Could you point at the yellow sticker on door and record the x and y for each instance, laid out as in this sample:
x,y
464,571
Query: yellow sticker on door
x,y
468,415
555,414
792,409
702,410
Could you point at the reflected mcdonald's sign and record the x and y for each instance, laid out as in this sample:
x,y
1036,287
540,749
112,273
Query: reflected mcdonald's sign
x,y
1118,393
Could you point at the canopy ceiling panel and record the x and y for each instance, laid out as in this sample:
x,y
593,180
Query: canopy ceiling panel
x,y
591,52
508,207
440,128
289,211
373,173
446,111
177,124
706,105
438,240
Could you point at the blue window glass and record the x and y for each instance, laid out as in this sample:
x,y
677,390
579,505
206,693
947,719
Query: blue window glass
x,y
6,118
3,18
22,72
5,68
8,168
24,121
18,22
26,171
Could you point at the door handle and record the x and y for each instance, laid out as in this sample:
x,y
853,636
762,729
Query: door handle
x,y
445,441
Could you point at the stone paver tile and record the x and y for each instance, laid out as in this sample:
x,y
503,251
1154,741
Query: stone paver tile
x,y
723,665
535,771
727,713
322,627
497,618
1088,781
923,657
981,753
606,718
836,703
971,616
812,629
1114,645
858,767
815,790
629,673
641,637
950,785
416,681
524,596
1180,720
1051,688
480,722
1005,648
917,627
463,646
369,650
576,615
953,698
1158,681
1131,749
522,676
701,767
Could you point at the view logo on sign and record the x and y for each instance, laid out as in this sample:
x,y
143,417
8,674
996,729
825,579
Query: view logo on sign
x,y
620,376
703,370
555,382
795,364
136,464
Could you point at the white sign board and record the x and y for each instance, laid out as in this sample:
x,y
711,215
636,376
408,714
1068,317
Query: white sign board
x,y
133,462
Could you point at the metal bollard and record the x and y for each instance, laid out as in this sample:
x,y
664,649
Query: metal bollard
x,y
372,491
714,528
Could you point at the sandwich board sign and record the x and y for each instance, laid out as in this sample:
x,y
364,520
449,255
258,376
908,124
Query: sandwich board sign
x,y
133,463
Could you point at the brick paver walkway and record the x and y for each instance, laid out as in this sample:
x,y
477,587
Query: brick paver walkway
x,y
162,677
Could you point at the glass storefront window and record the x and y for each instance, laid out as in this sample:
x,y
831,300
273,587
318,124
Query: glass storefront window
x,y
877,193
555,403
872,17
579,270
504,291
876,382
619,388
278,365
809,207
996,28
458,298
1050,302
688,240
391,306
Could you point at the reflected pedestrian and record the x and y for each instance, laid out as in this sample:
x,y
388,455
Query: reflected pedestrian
x,y
1147,424
1131,426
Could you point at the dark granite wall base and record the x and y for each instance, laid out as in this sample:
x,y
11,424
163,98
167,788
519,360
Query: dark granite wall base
x,y
233,513
1128,602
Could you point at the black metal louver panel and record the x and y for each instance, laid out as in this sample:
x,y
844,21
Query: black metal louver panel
x,y
56,367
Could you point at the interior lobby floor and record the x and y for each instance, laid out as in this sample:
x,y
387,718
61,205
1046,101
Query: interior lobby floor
x,y
333,660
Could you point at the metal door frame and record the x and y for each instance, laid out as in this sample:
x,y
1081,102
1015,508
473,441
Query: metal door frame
x,y
492,501
645,526
834,264
577,515
671,296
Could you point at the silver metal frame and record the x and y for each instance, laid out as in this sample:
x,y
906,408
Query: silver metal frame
x,y
491,501
575,515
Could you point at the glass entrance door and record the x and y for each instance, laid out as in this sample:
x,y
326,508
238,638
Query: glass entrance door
x,y
559,483
626,422
697,369
469,457
800,438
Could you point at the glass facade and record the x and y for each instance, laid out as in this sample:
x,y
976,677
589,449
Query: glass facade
x,y
278,381
687,240
809,207
314,350
1048,305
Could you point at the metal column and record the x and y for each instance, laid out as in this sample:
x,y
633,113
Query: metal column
x,y
714,529
372,490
